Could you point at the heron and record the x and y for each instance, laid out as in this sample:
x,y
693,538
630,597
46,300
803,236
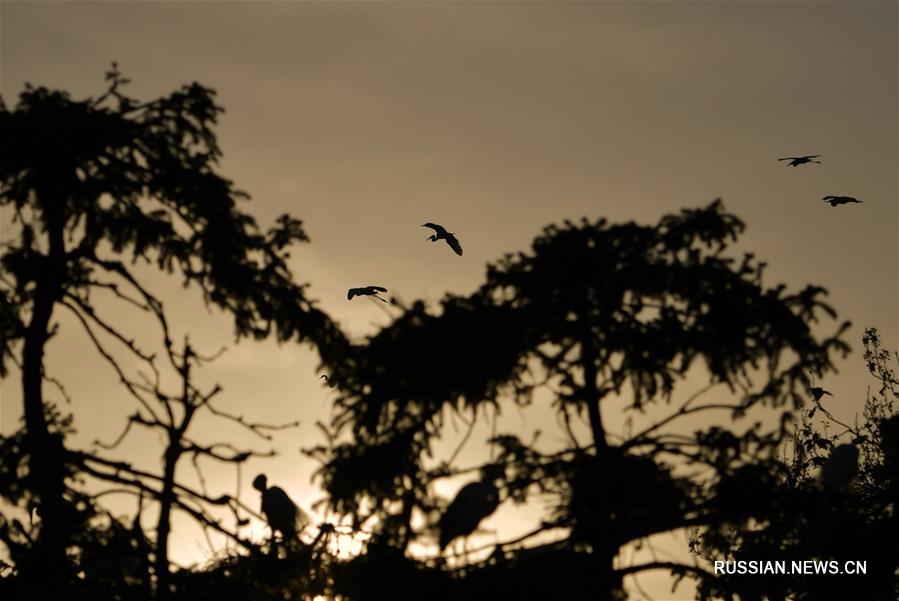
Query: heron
x,y
440,233
819,392
366,291
279,510
840,200
474,502
794,161
841,467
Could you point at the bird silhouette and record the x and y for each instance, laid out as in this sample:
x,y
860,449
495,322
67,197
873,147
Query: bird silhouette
x,y
474,502
440,233
840,200
279,510
841,467
818,392
794,161
366,291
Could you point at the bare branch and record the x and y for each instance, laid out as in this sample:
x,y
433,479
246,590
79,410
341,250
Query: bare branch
x,y
129,385
471,426
152,302
198,515
109,329
114,288
685,409
119,439
664,565
543,527
256,428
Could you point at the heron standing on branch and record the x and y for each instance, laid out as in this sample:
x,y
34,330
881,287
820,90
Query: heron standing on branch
x,y
279,510
440,233
476,501
841,467
794,161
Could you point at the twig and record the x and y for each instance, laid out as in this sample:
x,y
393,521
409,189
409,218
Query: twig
x,y
118,440
57,384
255,428
128,343
664,565
544,527
465,438
129,385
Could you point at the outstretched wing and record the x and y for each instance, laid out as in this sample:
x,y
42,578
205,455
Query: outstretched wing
x,y
802,158
454,244
439,229
351,293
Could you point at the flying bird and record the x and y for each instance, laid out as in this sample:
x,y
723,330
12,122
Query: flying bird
x,y
440,233
818,392
281,513
840,200
794,161
841,467
366,291
473,503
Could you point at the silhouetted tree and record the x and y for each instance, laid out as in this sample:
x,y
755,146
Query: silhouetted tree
x,y
593,313
109,555
95,188
173,413
809,521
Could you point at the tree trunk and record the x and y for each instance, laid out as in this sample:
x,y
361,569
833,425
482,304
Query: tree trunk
x,y
166,500
604,550
591,392
46,461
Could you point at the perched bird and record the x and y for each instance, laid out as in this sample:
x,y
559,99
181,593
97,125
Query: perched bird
x,y
818,392
473,503
840,200
841,467
440,233
281,513
366,291
794,161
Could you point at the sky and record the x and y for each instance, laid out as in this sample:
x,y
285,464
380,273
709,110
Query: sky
x,y
367,119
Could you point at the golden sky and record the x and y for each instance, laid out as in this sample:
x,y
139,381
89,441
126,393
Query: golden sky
x,y
366,119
